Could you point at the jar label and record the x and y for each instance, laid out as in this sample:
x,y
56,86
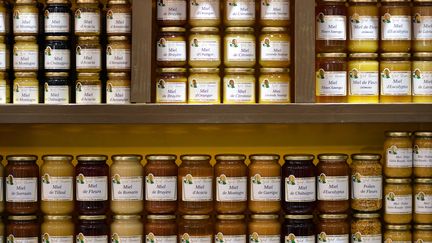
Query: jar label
x,y
399,157
88,94
422,157
204,9
115,238
366,187
91,188
197,189
161,188
398,204
265,188
117,94
118,58
221,238
196,239
275,50
25,59
331,27
171,10
273,91
87,22
57,22
57,58
171,50
331,83
171,91
239,92
301,189
204,50
3,59
88,58
1,189
395,82
395,27
118,22
25,22
239,50
205,92
231,189
256,238
324,238
358,237
57,188
46,238
363,83
364,27
422,82
2,23
14,239
126,188
243,10
332,188
80,238
291,238
423,203
275,9
161,239
422,27
25,94
21,189
3,95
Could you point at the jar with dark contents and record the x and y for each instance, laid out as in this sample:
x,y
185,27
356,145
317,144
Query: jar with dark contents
x,y
92,174
22,229
119,17
1,188
57,54
57,17
88,54
171,47
298,228
333,228
92,228
331,78
87,18
331,26
231,228
57,89
161,228
195,228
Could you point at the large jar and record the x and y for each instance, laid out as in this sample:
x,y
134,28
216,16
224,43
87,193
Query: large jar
x,y
119,17
127,191
171,47
395,26
239,12
423,201
422,28
264,228
57,17
171,12
127,228
118,88
57,55
88,89
59,228
275,13
363,26
204,13
161,228
204,86
274,86
398,201
331,26
195,228
230,228
161,184
422,77
398,154
298,184
25,17
333,228
92,228
205,47
57,184
92,174
333,183
87,18
171,85
395,78
25,88
5,88
22,174
265,183
118,54
275,47
422,159
366,228
398,233
195,183
422,233
25,54
231,184
331,78
22,229
239,47
298,228
363,78
88,54
239,86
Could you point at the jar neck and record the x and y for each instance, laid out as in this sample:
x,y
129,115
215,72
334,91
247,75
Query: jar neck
x,y
22,162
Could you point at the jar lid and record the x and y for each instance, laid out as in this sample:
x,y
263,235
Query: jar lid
x,y
92,217
118,2
274,70
398,227
274,29
372,157
127,157
264,157
25,75
161,217
88,38
423,54
298,216
333,216
92,157
363,1
87,1
118,38
230,157
57,217
332,157
239,29
119,216
423,180
22,217
264,216
57,1
195,157
363,55
204,70
60,38
423,134
367,215
331,55
196,216
23,157
205,29
172,70
394,1
395,55
299,157
25,38
397,134
161,157
25,1
423,226
398,180
230,217
56,74
240,70
334,1
57,157
88,75
173,29
118,75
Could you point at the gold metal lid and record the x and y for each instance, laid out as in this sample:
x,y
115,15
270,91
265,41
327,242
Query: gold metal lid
x,y
274,29
239,29
161,217
299,216
395,55
118,2
161,157
342,1
88,38
423,54
56,74
367,215
395,1
24,38
196,216
172,70
299,157
333,216
397,134
398,227
332,157
195,157
205,29
230,217
331,55
118,75
127,157
118,38
363,55
25,1
57,1
230,157
363,1
57,217
22,217
204,70
423,180
423,134
264,157
92,217
55,38
423,226
274,70
398,180
119,216
240,70
87,1
57,157
173,29
25,75
264,216
92,157
88,75
372,157
22,157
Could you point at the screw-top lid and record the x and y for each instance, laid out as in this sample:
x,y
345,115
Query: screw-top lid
x,y
195,157
25,75
22,217
423,180
275,29
371,157
423,134
333,157
161,217
24,38
127,157
171,70
161,157
173,29
118,38
367,215
264,216
205,29
57,157
398,180
299,216
56,38
57,217
332,55
299,157
395,55
423,226
274,70
230,157
397,134
398,227
230,216
239,71
333,216
198,217
119,216
56,74
23,157
363,55
92,217
239,29
92,157
204,70
88,38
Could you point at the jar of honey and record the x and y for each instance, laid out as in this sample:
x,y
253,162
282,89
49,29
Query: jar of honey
x,y
422,233
88,89
57,228
333,228
275,13
396,74
87,18
239,47
57,55
239,86
57,17
363,78
423,201
422,159
331,26
205,47
204,13
331,78
160,228
195,228
88,54
363,26
398,205
171,12
398,154
239,12
204,85
4,53
396,29
264,228
275,47
119,17
422,26
230,228
398,233
4,20
25,17
25,88
171,85
25,54
118,88
118,54
171,47
4,89
274,86
422,77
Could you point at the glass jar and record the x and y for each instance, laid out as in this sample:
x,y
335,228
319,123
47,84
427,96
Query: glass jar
x,y
423,201
333,183
57,185
171,47
88,54
171,12
366,228
298,228
333,228
331,78
398,201
4,89
264,228
127,175
118,88
2,204
22,184
331,26
22,229
161,172
25,54
195,183
25,17
197,228
119,17
398,233
422,16
422,159
265,183
161,228
118,54
274,86
59,228
231,184
366,182
396,27
230,228
92,174
204,13
422,233
92,228
87,18
239,86
395,78
88,89
422,77
25,88
363,79
275,47
4,17
205,47
171,85
57,17
275,13
363,26
239,12
127,228
204,86
398,154
4,52
57,54
239,47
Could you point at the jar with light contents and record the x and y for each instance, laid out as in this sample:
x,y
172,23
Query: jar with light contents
x,y
58,228
5,88
422,26
331,78
239,86
331,26
87,18
398,201
171,85
25,54
363,78
396,29
119,17
57,17
366,228
274,47
4,54
4,20
274,86
422,233
171,47
275,12
395,78
118,88
171,12
264,228
88,89
25,88
25,17
204,13
239,47
363,26
239,12
204,47
422,159
88,54
398,154
423,201
127,228
204,86
398,233
118,54
422,77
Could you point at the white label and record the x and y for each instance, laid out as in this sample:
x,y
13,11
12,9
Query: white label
x,y
358,237
161,188
204,9
3,94
422,82
291,238
2,23
221,238
422,157
239,50
366,187
364,27
3,59
171,91
331,83
25,22
265,188
87,22
332,27
395,27
254,237
88,94
423,203
231,189
204,50
115,238
399,157
56,22
363,83
13,239
300,189
25,59
161,239
197,188
240,10
57,58
422,27
274,91
333,188
46,238
21,189
118,94
127,188
88,58
25,94
204,91
238,91
119,22
196,239
171,9
118,58
57,188
275,9
91,188
398,204
171,50
395,83
80,238
323,238
275,50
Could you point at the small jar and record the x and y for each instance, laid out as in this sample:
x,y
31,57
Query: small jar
x,y
422,77
57,17
92,228
4,53
22,175
231,184
331,26
204,13
398,201
264,228
59,228
396,27
265,184
398,233
127,228
195,183
366,228
171,47
127,191
331,78
118,88
25,88
5,88
91,174
25,54
239,12
363,79
275,47
195,228
57,55
22,229
298,228
422,30
363,26
333,228
274,86
239,86
423,201
205,47
88,54
160,228
275,13
422,159
239,47
422,233
161,172
118,54
4,17
87,18
171,86
230,228
395,78
171,12
119,17
88,89
398,154
204,86
25,17
57,195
